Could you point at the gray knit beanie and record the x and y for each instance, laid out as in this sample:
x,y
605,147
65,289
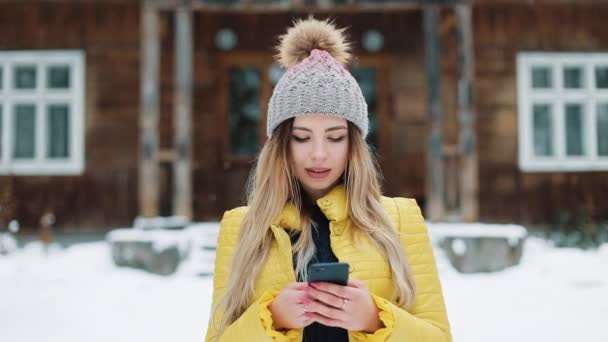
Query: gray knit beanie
x,y
314,53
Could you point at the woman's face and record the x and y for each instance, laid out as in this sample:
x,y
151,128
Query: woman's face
x,y
319,150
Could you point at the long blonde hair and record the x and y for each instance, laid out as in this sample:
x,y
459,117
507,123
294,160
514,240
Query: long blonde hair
x,y
272,184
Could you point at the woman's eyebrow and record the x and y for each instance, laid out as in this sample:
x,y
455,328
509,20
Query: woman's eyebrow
x,y
335,128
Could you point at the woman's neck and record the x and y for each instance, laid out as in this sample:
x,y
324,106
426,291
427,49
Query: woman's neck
x,y
314,195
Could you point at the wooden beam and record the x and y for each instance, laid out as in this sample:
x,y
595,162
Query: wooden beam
x,y
166,156
435,206
254,6
469,181
149,112
182,197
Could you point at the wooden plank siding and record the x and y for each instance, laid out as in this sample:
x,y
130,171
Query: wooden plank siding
x,y
500,32
105,196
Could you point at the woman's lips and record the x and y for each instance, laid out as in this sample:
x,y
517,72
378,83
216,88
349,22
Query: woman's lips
x,y
318,173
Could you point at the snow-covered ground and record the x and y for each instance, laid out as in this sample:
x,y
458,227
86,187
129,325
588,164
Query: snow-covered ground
x,y
76,294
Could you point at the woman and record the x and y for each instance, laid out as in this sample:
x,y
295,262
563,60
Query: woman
x,y
314,196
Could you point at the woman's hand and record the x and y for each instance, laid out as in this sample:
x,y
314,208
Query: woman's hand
x,y
287,309
350,307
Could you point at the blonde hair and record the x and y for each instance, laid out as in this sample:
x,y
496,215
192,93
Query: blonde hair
x,y
272,184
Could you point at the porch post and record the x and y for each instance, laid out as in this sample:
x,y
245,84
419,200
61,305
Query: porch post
x,y
149,111
182,200
467,140
435,206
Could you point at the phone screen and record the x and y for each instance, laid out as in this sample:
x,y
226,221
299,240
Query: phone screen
x,y
331,272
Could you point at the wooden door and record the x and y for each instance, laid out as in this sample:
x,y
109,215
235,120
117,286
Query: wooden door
x,y
245,91
372,73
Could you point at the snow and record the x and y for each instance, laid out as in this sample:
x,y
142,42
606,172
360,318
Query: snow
x,y
76,294
459,247
160,239
508,231
160,222
553,295
8,243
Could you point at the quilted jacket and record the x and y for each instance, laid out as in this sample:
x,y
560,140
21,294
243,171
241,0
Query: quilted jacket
x,y
425,321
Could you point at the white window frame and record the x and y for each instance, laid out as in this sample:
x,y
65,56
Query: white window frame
x,y
557,97
41,97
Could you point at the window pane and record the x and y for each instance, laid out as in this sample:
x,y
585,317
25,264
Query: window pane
x,y
58,131
541,77
366,77
58,77
25,77
275,73
602,129
244,110
25,129
601,77
574,130
574,77
542,127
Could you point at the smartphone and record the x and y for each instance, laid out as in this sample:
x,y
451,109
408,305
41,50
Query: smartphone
x,y
331,272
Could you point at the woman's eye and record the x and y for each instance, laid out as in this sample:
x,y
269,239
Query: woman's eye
x,y
298,139
336,139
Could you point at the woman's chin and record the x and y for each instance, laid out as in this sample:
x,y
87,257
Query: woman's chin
x,y
319,188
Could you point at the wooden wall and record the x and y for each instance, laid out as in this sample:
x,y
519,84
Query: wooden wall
x,y
501,31
105,196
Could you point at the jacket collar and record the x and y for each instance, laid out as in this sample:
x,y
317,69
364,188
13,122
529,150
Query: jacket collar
x,y
332,204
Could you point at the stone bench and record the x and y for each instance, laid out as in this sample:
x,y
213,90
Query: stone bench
x,y
156,244
473,248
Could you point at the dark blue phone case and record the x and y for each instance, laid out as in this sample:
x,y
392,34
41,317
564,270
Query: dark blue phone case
x,y
331,272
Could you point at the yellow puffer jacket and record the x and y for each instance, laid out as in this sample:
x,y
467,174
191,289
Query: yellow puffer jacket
x,y
426,321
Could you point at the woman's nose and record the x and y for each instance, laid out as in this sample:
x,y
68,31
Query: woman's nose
x,y
319,151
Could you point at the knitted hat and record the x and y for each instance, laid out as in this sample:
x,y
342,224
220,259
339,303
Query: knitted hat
x,y
315,53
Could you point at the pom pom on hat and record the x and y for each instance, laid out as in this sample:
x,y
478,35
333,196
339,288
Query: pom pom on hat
x,y
309,34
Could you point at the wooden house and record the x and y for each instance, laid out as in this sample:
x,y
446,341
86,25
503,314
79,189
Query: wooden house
x,y
490,110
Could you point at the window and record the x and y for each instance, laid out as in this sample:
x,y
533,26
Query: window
x,y
563,111
42,112
366,78
244,115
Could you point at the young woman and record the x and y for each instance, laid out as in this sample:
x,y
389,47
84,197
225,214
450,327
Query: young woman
x,y
314,196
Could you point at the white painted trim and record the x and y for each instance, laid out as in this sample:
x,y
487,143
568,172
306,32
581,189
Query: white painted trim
x,y
41,98
603,101
558,97
3,136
